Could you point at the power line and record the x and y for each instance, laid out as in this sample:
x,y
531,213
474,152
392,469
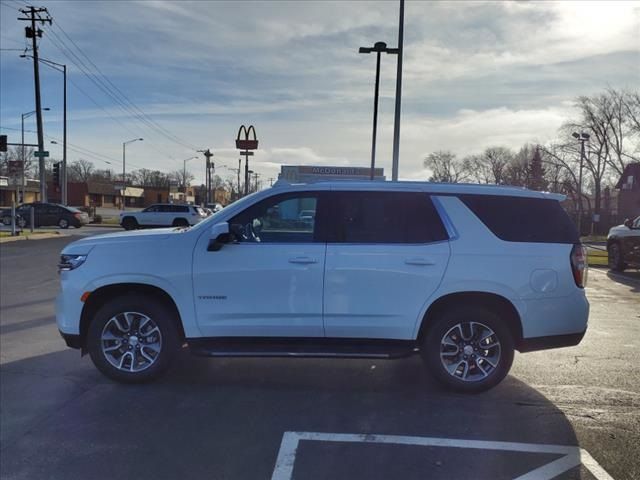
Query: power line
x,y
151,120
78,149
110,89
9,6
83,69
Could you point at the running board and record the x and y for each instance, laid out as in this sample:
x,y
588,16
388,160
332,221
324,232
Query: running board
x,y
301,347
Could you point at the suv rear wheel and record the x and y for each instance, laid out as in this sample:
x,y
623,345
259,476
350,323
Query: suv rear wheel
x,y
468,349
615,258
180,222
129,223
133,338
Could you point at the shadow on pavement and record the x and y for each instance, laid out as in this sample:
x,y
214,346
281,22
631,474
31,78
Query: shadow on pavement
x,y
630,279
224,418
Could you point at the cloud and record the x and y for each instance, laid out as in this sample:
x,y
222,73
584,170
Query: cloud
x,y
475,73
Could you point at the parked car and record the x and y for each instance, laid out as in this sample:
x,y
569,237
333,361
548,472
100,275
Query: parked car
x,y
461,274
214,207
623,245
163,215
46,215
307,216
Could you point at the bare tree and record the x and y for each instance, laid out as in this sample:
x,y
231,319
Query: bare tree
x,y
182,177
445,167
145,177
15,154
80,170
490,166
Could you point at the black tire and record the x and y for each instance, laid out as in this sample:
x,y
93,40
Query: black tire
x,y
129,223
444,323
180,222
63,223
146,305
615,257
22,223
6,221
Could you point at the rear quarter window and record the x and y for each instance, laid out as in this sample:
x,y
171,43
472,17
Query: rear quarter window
x,y
521,219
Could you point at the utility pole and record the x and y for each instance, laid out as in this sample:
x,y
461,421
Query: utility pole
x,y
207,153
42,16
239,170
396,120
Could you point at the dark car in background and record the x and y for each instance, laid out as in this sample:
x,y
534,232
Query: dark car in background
x,y
46,215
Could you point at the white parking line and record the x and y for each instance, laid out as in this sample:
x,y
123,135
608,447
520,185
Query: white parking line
x,y
572,456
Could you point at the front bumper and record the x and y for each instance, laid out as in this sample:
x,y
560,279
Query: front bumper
x,y
72,341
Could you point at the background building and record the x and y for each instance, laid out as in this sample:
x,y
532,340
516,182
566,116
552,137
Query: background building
x,y
313,173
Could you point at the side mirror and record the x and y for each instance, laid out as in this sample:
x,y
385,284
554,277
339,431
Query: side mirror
x,y
218,237
628,223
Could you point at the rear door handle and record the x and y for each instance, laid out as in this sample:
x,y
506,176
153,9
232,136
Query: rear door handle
x,y
418,261
302,260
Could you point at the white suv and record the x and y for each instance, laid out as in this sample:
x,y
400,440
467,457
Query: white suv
x,y
461,274
163,215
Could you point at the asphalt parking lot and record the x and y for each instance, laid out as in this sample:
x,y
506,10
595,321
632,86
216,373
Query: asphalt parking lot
x,y
569,413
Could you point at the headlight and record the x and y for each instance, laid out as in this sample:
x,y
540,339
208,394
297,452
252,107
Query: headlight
x,y
70,262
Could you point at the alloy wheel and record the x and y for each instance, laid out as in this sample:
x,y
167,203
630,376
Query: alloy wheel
x,y
470,351
131,341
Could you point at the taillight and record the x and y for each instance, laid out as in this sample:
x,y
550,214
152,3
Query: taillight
x,y
579,264
77,215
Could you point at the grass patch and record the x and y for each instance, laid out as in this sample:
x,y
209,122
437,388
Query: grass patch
x,y
598,258
594,238
27,233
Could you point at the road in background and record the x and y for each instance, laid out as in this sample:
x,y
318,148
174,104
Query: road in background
x,y
225,418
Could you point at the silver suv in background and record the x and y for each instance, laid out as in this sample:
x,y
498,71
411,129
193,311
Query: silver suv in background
x,y
163,215
623,245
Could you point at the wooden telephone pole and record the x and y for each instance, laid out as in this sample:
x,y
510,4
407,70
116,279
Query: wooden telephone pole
x,y
37,15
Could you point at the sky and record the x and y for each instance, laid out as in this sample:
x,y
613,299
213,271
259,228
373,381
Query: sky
x,y
476,74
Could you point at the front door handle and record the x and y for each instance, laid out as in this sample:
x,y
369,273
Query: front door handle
x,y
418,261
303,260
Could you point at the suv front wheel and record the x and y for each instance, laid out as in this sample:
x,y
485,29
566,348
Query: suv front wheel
x,y
615,257
133,338
468,349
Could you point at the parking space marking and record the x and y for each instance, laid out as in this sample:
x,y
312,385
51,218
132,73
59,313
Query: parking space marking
x,y
572,456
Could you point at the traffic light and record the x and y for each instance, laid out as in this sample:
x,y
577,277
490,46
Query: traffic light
x,y
56,174
3,143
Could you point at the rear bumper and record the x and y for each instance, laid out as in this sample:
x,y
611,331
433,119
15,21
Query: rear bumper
x,y
551,341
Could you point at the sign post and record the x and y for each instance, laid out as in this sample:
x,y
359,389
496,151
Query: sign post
x,y
245,145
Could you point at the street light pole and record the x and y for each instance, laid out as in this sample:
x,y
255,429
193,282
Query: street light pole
x,y
396,119
184,175
60,68
24,155
124,181
378,47
582,138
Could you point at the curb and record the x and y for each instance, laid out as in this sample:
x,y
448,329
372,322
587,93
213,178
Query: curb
x,y
42,236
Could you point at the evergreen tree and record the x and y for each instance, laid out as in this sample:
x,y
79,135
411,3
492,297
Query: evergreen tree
x,y
537,180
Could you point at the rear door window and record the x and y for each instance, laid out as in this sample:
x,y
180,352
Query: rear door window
x,y
384,217
522,219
